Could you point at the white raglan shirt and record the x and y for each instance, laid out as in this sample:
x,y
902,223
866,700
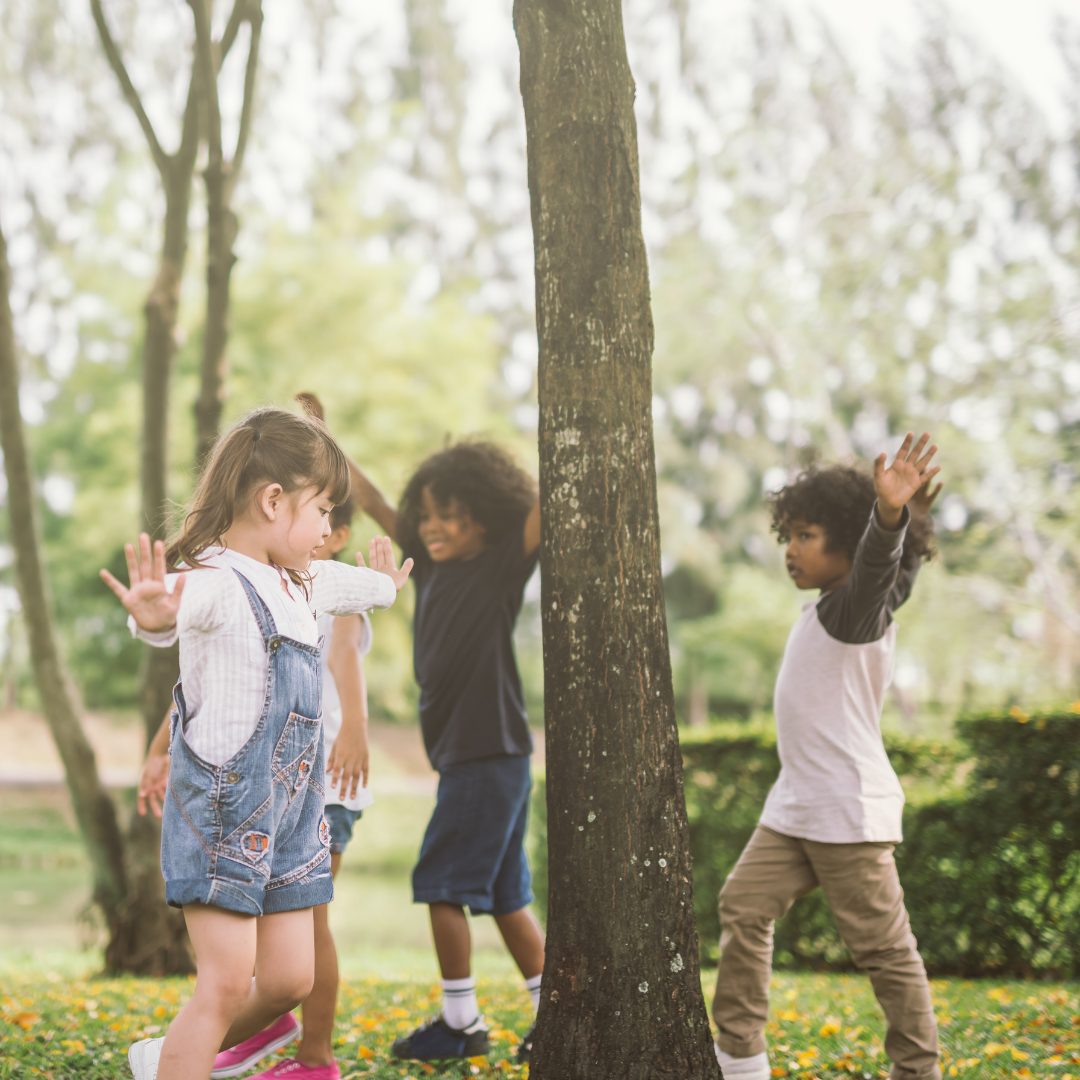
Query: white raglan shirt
x,y
223,663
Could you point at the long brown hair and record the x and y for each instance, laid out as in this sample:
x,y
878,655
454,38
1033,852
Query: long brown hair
x,y
268,446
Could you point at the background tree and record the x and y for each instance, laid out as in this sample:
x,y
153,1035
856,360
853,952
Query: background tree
x,y
621,993
94,809
151,938
221,222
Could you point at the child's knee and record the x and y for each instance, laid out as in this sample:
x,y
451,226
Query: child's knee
x,y
285,990
227,992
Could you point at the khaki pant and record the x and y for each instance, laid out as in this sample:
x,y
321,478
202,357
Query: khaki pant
x,y
863,890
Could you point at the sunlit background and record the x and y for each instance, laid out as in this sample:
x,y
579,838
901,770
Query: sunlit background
x,y
859,221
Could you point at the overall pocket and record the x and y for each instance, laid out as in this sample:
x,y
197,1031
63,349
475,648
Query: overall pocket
x,y
295,753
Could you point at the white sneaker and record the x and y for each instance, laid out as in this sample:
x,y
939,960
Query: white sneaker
x,y
748,1068
143,1058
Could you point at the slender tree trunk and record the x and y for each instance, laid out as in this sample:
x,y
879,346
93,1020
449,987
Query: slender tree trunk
x,y
149,937
221,222
94,809
221,230
621,992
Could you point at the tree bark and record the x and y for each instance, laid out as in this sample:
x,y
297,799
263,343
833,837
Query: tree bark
x,y
621,991
94,809
221,222
147,937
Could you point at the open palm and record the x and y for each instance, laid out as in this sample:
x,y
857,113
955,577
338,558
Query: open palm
x,y
381,559
148,600
909,472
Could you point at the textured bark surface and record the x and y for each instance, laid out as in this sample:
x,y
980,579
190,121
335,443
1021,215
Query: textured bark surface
x,y
621,993
93,808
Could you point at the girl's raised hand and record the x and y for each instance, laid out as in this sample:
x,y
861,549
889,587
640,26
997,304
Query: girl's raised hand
x,y
381,558
909,472
148,601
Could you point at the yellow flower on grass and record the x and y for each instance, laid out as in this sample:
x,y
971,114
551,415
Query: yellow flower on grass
x,y
953,1070
788,1014
1018,1055
992,1049
828,1030
1000,995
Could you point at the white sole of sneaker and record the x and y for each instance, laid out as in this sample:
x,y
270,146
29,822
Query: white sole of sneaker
x,y
242,1067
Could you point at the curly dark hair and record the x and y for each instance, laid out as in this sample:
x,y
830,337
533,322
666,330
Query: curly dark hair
x,y
482,477
343,513
840,499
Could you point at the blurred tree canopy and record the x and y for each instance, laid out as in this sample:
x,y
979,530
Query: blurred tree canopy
x,y
832,265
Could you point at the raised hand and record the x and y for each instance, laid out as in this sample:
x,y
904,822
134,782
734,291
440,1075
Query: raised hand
x,y
910,471
152,606
923,500
381,558
310,404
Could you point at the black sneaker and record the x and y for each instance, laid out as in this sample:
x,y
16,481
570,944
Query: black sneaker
x,y
436,1040
525,1049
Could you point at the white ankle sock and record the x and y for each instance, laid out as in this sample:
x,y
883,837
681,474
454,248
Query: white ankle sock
x,y
459,1007
750,1068
533,986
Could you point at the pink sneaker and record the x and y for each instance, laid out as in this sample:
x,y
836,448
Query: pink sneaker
x,y
238,1059
297,1070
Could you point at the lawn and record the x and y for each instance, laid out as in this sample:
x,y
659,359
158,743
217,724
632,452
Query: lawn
x,y
60,1023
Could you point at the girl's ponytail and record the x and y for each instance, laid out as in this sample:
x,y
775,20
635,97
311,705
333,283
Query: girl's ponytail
x,y
267,446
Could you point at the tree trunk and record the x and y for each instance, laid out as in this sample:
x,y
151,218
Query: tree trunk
x,y
220,234
221,223
149,937
621,992
93,808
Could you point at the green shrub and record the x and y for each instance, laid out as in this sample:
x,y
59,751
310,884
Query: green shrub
x,y
728,770
993,879
990,864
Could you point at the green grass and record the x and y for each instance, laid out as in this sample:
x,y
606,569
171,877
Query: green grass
x,y
60,1022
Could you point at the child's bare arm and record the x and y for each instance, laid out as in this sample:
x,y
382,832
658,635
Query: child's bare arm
x,y
532,529
372,501
349,761
155,773
369,497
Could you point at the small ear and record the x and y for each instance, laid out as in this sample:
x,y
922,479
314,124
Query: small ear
x,y
269,500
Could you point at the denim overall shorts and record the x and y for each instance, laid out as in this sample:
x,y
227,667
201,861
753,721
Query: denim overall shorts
x,y
249,835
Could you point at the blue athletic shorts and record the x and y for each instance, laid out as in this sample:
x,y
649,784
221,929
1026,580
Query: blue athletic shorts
x,y
341,821
474,848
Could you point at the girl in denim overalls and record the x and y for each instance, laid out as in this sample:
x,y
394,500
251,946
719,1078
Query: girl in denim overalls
x,y
245,848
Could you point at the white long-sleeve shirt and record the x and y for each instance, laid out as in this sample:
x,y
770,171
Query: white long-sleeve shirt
x,y
223,663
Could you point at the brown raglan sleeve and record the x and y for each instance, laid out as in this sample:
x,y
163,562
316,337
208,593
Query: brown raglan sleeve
x,y
860,610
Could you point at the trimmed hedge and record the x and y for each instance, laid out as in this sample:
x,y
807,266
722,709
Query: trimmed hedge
x,y
990,864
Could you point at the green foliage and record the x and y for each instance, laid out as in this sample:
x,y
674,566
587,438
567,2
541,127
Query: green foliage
x,y
990,865
728,771
993,879
733,654
62,1021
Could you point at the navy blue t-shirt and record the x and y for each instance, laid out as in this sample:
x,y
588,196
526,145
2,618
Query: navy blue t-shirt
x,y
471,704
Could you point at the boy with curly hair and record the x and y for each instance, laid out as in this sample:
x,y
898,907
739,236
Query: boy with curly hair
x,y
833,816
470,518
